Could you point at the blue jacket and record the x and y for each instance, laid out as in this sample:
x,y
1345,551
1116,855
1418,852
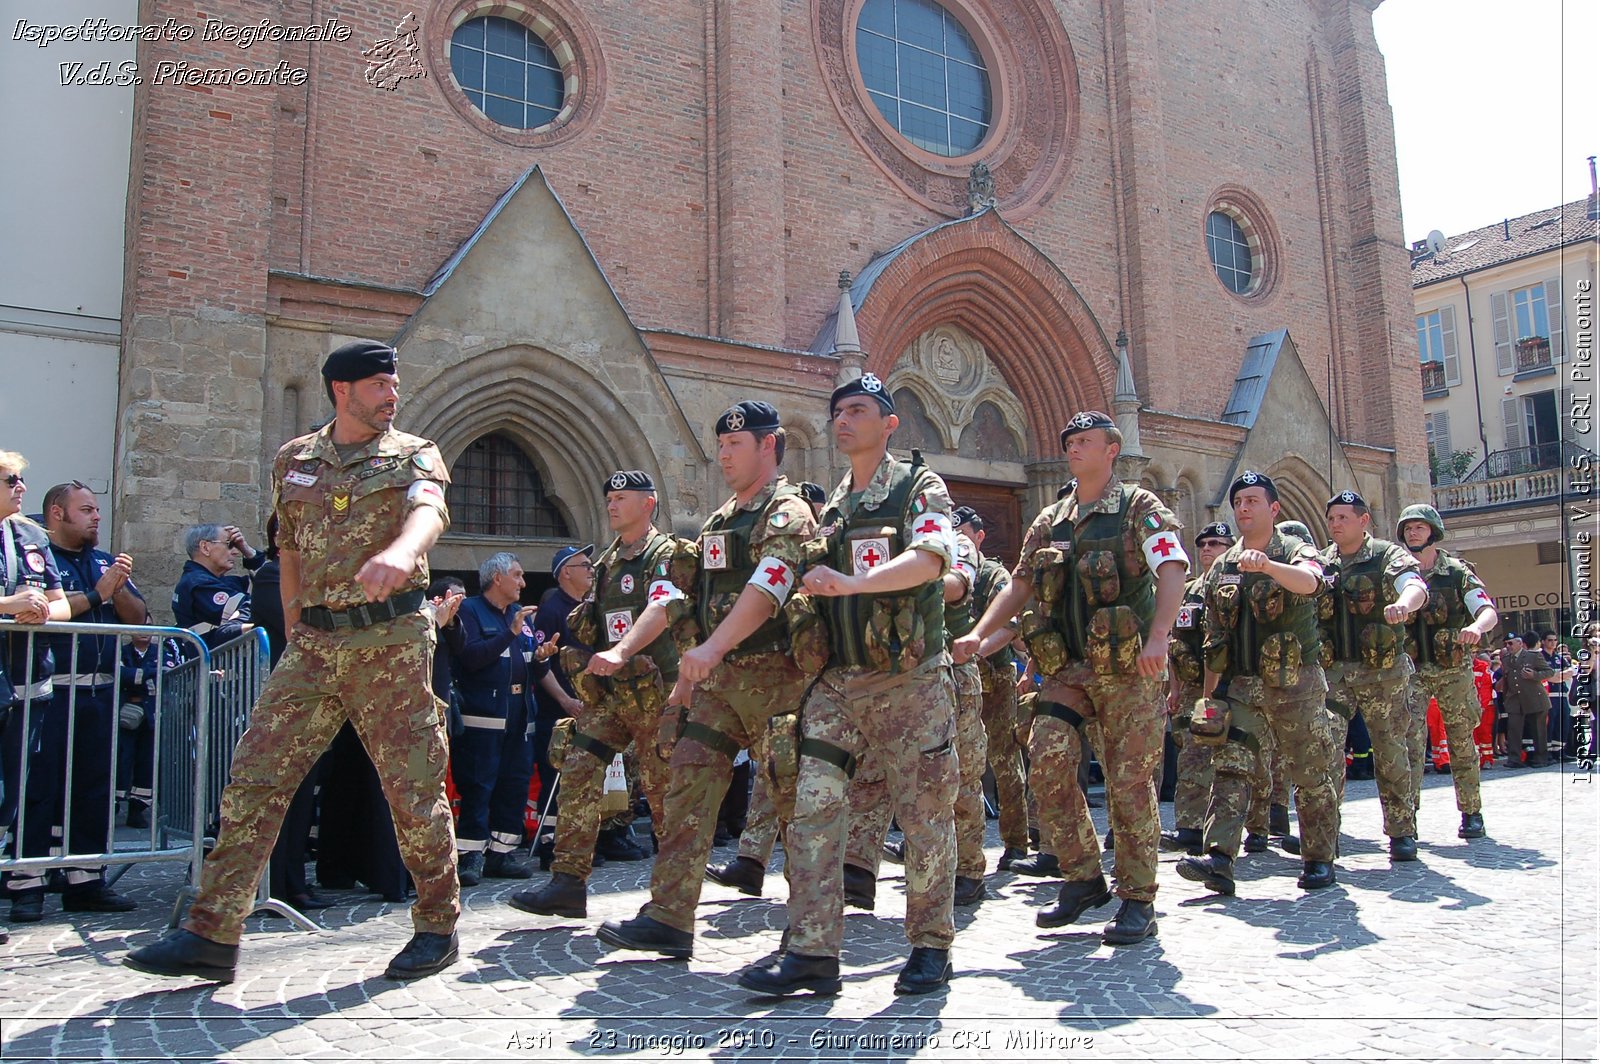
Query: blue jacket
x,y
215,608
97,654
490,665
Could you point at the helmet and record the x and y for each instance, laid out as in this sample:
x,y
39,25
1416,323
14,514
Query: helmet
x,y
1296,528
1421,512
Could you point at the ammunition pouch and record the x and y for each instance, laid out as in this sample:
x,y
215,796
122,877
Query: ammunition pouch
x,y
1099,577
1281,658
1045,645
1049,574
1361,594
1267,600
1379,646
1437,609
895,637
808,636
1027,706
1182,658
584,627
1210,721
1225,599
560,742
1114,642
683,564
1447,649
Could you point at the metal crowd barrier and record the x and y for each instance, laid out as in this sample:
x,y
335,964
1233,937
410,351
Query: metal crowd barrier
x,y
201,706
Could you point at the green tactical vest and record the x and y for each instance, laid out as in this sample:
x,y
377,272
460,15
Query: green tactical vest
x,y
983,593
899,622
1270,631
721,588
1433,633
1106,601
1351,613
612,575
1185,645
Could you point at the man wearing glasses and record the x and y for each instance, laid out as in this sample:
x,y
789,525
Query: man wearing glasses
x,y
208,600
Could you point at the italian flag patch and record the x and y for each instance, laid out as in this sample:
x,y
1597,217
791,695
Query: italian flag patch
x,y
1152,522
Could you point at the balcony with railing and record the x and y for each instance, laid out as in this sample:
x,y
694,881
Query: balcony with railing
x,y
1433,382
1533,356
1519,476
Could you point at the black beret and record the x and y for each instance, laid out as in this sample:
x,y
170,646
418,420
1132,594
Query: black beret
x,y
1251,479
628,480
867,384
358,360
1345,498
1083,421
1216,530
813,493
966,515
748,416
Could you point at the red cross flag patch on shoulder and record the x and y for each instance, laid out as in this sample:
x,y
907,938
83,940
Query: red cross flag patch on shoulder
x,y
1164,547
775,577
868,554
714,550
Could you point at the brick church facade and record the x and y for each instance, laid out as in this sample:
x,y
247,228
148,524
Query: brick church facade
x,y
589,292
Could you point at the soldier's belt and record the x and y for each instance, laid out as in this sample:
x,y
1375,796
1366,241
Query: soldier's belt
x,y
710,738
599,749
1060,712
365,615
825,751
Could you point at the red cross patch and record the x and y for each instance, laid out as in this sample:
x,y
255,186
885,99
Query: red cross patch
x,y
714,550
618,624
869,554
627,583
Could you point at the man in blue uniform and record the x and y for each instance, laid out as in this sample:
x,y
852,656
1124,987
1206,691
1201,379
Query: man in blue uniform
x,y
98,591
209,599
489,760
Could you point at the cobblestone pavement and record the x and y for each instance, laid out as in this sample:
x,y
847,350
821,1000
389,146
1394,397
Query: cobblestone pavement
x,y
1480,951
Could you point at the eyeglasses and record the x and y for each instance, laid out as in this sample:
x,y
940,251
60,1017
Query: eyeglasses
x,y
14,479
1204,543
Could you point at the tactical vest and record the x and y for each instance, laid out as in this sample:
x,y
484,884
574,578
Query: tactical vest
x,y
1433,634
983,593
1351,614
1270,631
886,633
1098,598
719,589
623,585
1185,644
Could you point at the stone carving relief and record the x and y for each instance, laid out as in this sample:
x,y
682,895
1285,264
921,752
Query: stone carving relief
x,y
956,389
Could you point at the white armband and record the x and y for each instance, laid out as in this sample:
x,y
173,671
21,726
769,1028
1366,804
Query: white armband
x,y
934,530
664,591
1477,600
1163,547
425,491
775,577
1405,580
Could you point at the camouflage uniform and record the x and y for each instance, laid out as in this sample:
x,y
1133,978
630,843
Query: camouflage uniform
x,y
626,707
1262,639
1368,669
336,513
998,676
761,826
1444,667
887,687
1092,576
1186,659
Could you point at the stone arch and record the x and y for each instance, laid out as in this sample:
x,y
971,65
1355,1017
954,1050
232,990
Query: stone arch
x,y
578,440
517,435
1301,492
982,276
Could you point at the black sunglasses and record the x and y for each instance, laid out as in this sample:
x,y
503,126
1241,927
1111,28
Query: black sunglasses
x,y
13,479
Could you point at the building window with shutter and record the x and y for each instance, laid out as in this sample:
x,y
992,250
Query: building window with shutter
x,y
1436,346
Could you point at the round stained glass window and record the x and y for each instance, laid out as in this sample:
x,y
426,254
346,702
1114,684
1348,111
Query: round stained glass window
x,y
925,74
508,72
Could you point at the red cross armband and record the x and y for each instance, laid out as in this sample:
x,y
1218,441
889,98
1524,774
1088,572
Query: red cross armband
x,y
664,591
1477,600
1162,547
932,531
774,576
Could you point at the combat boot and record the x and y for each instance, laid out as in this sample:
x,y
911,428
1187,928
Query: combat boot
x,y
469,867
649,935
563,895
1037,864
1215,870
1075,899
894,851
183,952
618,845
1278,820
138,814
926,971
1010,856
27,906
1255,842
792,973
1317,875
1188,840
968,891
1111,839
1402,848
1135,921
428,952
1471,826
743,874
96,897
1290,843
498,865
860,888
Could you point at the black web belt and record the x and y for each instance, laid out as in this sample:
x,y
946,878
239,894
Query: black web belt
x,y
363,616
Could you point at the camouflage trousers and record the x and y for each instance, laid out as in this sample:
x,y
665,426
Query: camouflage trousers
x,y
867,798
999,716
761,823
1459,706
1192,791
1388,713
613,727
1131,713
1295,722
322,681
908,721
726,715
1269,786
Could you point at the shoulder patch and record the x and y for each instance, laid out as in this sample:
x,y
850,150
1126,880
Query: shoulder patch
x,y
1152,522
779,519
920,503
422,462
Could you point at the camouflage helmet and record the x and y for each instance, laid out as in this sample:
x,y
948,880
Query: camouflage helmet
x,y
1297,529
1424,513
